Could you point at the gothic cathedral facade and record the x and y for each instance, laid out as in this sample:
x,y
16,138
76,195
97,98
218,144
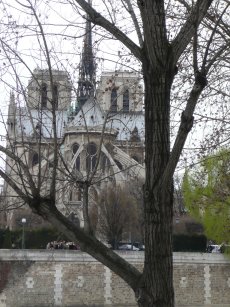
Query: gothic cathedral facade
x,y
110,121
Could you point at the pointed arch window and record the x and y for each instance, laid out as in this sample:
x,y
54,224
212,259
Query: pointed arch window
x,y
126,101
77,164
134,136
105,163
55,96
44,96
35,159
114,100
91,157
38,130
118,163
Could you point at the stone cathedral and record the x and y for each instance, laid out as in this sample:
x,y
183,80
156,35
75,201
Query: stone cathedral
x,y
101,129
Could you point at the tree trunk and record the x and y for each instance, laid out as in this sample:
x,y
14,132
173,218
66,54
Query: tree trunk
x,y
85,208
156,288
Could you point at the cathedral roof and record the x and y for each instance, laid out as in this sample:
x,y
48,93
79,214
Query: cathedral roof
x,y
125,123
90,115
122,123
28,122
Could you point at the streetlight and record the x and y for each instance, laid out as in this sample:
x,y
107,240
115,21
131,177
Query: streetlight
x,y
23,232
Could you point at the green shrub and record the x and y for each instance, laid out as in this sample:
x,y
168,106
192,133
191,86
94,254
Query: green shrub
x,y
38,239
2,237
7,242
189,243
34,239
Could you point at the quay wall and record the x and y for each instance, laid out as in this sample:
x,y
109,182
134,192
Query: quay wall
x,y
43,278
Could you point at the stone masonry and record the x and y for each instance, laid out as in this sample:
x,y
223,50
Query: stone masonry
x,y
42,278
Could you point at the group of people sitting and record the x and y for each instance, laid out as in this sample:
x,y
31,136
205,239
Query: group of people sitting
x,y
62,245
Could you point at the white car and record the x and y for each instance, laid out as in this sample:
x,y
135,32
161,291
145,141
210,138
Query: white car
x,y
128,247
214,248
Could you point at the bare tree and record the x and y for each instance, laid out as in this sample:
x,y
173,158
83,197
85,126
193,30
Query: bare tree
x,y
118,214
164,41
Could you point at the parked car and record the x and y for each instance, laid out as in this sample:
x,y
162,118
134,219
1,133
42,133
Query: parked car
x,y
214,248
128,247
139,245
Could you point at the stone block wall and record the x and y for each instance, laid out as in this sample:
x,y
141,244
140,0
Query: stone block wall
x,y
30,278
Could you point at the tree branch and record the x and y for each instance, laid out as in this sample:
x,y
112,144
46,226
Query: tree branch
x,y
91,245
184,129
14,186
99,20
24,167
53,106
129,8
212,35
188,30
224,28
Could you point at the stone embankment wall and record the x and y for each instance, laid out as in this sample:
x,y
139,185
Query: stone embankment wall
x,y
42,278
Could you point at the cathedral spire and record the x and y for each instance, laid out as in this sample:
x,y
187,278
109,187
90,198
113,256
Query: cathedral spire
x,y
86,82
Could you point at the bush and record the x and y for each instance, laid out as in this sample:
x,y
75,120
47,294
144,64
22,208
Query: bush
x,y
189,243
38,239
7,242
34,239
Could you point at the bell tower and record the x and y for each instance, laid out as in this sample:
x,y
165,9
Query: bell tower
x,y
46,90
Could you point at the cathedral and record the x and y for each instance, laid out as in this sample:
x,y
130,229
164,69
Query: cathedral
x,y
99,135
